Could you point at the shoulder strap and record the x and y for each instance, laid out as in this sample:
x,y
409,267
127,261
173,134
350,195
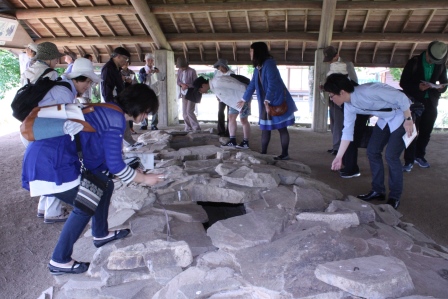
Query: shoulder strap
x,y
45,72
91,107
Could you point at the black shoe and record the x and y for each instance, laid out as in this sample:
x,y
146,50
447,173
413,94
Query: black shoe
x,y
393,202
154,128
118,234
281,157
349,175
144,128
371,195
77,268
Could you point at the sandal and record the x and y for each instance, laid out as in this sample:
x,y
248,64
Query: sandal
x,y
77,268
118,234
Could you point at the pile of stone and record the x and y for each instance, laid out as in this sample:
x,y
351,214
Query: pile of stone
x,y
298,239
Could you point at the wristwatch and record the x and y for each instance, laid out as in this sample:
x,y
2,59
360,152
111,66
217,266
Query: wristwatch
x,y
408,118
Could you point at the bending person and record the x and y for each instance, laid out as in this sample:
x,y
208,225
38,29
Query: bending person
x,y
391,106
60,175
228,90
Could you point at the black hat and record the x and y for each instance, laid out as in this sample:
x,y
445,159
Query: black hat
x,y
329,53
121,51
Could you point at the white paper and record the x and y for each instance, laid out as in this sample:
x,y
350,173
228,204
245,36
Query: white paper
x,y
436,86
407,140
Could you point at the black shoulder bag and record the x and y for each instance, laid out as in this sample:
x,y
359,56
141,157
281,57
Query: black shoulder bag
x,y
91,188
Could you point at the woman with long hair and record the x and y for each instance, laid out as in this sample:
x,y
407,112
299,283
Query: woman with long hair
x,y
270,87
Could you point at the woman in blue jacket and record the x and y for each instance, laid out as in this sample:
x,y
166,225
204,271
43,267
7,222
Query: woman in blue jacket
x,y
51,167
270,87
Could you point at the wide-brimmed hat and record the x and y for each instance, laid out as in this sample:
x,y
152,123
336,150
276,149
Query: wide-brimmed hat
x,y
181,62
221,62
47,51
71,54
437,52
32,46
83,67
329,53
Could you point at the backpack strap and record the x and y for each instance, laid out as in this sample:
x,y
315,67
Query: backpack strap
x,y
47,70
91,107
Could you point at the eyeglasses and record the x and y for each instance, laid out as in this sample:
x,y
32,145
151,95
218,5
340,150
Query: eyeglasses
x,y
331,95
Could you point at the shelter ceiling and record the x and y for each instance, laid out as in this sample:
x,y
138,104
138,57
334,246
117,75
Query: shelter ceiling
x,y
370,33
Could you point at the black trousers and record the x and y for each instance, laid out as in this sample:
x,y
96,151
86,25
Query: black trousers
x,y
425,125
223,126
350,159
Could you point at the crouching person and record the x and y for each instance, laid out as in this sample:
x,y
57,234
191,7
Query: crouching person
x,y
52,167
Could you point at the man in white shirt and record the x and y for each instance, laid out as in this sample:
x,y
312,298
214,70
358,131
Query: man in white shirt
x,y
394,120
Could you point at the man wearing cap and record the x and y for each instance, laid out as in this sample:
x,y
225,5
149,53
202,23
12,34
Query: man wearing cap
x,y
70,58
31,50
185,77
331,56
429,66
113,82
222,69
148,75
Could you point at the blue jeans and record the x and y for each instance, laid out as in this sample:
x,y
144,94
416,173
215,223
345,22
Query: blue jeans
x,y
77,221
395,147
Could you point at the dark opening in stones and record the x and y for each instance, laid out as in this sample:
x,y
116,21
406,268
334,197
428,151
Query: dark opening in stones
x,y
220,210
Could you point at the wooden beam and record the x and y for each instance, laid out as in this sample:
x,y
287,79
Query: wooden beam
x,y
344,26
218,49
46,27
389,13
305,22
108,26
411,53
234,6
286,21
80,51
151,24
244,37
247,22
77,27
201,52
93,26
65,12
124,24
32,29
192,23
174,23
210,22
229,22
407,20
96,54
303,50
267,20
392,53
374,52
62,27
391,5
234,52
433,12
139,52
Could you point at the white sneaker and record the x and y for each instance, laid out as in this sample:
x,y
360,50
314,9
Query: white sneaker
x,y
61,218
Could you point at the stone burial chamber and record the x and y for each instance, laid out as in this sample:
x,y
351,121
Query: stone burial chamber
x,y
235,224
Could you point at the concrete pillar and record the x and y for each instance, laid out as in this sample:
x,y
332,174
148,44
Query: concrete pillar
x,y
320,113
168,111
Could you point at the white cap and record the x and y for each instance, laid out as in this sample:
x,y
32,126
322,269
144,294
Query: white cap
x,y
83,67
32,46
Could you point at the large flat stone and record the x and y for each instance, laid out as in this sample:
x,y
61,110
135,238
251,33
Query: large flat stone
x,y
369,277
186,212
234,194
247,230
308,199
336,221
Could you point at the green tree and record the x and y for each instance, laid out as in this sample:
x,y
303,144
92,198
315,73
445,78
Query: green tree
x,y
396,73
9,72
